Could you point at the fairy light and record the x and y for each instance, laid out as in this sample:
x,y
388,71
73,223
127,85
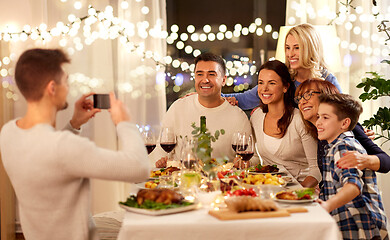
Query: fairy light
x,y
228,34
275,35
207,28
245,31
203,37
190,28
188,49
268,28
258,21
195,37
145,10
222,28
124,5
259,32
184,36
110,27
77,5
180,45
174,28
196,52
252,28
220,36
347,16
211,37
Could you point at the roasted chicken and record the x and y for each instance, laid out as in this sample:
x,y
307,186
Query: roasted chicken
x,y
166,196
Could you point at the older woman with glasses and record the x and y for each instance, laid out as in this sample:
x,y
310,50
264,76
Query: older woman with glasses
x,y
306,96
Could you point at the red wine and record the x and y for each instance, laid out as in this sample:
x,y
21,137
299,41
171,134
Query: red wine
x,y
168,147
234,146
150,147
246,156
240,147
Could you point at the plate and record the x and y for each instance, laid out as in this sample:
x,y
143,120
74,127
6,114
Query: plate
x,y
273,173
288,179
294,201
152,212
141,185
266,187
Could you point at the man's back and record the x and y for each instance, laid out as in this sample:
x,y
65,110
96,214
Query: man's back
x,y
50,172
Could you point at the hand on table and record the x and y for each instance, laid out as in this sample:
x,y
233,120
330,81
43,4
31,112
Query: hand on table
x,y
118,110
238,163
162,162
83,111
324,205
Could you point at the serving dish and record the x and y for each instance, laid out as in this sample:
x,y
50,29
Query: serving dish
x,y
153,212
294,201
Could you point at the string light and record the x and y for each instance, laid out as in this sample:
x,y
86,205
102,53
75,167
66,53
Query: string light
x,y
345,16
103,24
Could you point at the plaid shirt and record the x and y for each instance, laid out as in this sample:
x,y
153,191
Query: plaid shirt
x,y
363,217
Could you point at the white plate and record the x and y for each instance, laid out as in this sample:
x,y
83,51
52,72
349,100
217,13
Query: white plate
x,y
294,201
287,179
273,173
152,212
141,185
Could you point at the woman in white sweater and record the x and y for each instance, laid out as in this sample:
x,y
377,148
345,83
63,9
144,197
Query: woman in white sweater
x,y
280,133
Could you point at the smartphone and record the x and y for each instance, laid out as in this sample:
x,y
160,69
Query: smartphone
x,y
101,101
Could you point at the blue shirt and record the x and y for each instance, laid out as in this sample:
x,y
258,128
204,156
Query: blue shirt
x,y
250,99
363,217
369,146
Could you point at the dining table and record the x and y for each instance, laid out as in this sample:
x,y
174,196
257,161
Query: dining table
x,y
316,223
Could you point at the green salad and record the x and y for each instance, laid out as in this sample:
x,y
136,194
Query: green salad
x,y
148,204
305,193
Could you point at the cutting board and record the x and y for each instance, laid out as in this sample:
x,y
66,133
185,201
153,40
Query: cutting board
x,y
226,214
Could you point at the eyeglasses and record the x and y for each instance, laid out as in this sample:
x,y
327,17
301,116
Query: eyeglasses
x,y
306,96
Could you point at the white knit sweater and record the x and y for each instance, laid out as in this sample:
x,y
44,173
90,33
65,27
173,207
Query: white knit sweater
x,y
185,111
50,173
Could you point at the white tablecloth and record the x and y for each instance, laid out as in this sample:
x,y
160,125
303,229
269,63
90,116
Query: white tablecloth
x,y
316,224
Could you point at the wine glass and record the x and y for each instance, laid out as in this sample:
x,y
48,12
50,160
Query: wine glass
x,y
167,140
235,138
234,141
188,155
149,139
245,149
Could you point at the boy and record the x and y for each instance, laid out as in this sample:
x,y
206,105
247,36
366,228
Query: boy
x,y
350,195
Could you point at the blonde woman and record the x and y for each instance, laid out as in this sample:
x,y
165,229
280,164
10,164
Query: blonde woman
x,y
304,58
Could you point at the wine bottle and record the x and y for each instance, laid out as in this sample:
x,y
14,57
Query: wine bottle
x,y
202,124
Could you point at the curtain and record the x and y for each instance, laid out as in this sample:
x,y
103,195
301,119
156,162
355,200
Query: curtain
x,y
362,48
100,66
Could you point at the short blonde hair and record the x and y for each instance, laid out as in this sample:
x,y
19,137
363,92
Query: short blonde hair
x,y
310,50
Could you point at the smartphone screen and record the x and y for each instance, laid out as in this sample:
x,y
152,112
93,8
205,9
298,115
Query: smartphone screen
x,y
101,101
